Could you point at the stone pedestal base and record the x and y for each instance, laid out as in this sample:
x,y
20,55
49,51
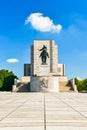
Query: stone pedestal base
x,y
44,84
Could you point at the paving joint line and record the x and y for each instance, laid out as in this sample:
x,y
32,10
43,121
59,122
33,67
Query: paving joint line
x,y
44,113
15,109
71,107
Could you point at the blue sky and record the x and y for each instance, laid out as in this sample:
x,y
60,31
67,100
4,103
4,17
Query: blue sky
x,y
65,22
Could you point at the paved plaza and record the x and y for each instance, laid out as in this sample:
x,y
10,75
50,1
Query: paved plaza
x,y
43,111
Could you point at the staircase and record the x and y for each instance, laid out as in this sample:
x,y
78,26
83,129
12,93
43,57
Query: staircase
x,y
22,87
65,87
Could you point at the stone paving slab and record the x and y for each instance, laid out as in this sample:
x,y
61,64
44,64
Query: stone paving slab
x,y
65,128
23,128
43,111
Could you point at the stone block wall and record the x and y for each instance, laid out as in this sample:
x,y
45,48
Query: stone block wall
x,y
44,84
52,61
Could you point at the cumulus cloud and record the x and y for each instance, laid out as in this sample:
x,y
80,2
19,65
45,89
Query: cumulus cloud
x,y
12,60
42,23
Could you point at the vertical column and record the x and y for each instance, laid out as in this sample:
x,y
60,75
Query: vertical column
x,y
32,60
51,57
63,69
55,58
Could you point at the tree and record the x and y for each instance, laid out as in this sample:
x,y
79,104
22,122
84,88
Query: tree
x,y
81,84
1,83
6,80
85,84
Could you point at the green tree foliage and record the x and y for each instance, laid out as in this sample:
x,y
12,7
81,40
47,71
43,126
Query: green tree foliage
x,y
81,84
6,80
85,84
1,83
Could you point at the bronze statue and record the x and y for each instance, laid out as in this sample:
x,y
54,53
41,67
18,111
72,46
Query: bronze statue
x,y
44,54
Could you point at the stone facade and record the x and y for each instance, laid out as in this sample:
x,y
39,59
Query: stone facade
x,y
37,67
51,68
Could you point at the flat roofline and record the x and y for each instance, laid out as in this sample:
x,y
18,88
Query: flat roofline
x,y
44,40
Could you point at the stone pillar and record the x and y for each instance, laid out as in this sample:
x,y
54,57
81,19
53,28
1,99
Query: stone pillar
x,y
14,88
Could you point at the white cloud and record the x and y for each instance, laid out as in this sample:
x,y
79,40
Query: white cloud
x,y
42,23
12,60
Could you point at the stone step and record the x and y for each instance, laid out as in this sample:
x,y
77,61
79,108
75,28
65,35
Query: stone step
x,y
65,87
23,87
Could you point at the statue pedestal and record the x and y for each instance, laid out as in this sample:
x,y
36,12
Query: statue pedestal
x,y
44,70
44,84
